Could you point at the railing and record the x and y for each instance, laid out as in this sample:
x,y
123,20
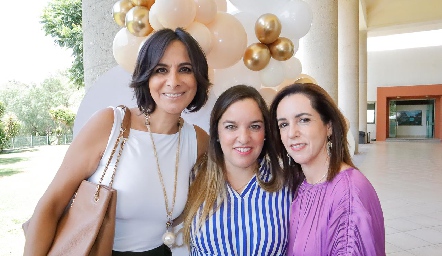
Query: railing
x,y
34,141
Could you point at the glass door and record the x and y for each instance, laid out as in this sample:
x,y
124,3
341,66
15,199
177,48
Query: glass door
x,y
392,120
430,119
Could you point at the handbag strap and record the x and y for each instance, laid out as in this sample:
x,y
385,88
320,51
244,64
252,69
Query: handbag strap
x,y
123,135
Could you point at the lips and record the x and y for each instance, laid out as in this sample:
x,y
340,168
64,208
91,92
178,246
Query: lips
x,y
298,146
243,150
173,95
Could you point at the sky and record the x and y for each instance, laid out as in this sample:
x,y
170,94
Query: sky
x,y
26,54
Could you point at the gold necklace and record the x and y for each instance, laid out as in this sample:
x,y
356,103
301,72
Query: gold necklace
x,y
314,184
169,236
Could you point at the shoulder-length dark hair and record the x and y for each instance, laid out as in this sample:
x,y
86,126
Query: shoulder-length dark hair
x,y
150,54
225,100
329,112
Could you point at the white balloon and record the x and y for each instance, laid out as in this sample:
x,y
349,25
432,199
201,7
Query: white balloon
x,y
273,74
248,20
153,18
202,35
259,6
296,19
125,49
292,68
234,75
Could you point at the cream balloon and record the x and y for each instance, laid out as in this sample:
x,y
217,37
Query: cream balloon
x,y
145,3
268,94
229,40
137,21
176,13
256,57
221,5
125,49
273,74
202,35
248,20
292,68
205,11
233,75
267,28
153,18
119,10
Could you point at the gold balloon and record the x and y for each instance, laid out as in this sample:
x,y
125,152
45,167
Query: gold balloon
x,y
267,28
282,49
145,3
256,56
305,79
137,21
119,11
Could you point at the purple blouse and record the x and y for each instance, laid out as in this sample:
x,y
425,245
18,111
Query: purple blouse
x,y
341,217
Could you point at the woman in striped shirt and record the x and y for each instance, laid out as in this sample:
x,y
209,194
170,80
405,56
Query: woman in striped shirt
x,y
239,201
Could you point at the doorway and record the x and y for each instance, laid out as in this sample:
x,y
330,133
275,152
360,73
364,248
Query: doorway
x,y
411,118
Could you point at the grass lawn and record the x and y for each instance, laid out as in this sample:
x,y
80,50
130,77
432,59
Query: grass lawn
x,y
24,176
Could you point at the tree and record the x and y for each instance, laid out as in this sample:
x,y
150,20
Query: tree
x,y
3,139
63,116
31,103
62,21
11,125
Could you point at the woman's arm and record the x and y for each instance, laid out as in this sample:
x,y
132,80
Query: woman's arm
x,y
79,163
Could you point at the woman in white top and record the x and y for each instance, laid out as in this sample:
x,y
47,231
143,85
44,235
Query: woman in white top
x,y
238,202
171,75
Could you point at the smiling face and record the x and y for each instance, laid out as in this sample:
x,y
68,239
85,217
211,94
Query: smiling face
x,y
172,83
241,135
303,133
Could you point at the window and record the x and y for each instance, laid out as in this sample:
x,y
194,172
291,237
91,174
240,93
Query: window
x,y
370,112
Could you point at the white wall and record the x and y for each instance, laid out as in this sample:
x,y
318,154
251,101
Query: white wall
x,y
417,66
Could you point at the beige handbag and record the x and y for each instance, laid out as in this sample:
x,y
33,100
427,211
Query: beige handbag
x,y
87,227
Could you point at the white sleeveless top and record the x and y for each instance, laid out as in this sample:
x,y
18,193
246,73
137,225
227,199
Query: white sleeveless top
x,y
141,213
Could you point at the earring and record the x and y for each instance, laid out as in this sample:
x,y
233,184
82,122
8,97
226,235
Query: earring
x,y
329,146
290,159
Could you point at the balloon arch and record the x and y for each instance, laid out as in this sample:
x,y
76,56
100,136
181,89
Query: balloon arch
x,y
254,45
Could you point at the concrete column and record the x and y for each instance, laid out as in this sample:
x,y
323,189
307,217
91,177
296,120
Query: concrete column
x,y
318,50
363,80
348,64
99,30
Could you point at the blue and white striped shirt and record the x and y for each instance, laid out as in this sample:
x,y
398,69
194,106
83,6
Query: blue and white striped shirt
x,y
254,222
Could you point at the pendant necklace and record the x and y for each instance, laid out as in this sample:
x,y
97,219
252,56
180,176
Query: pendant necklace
x,y
169,236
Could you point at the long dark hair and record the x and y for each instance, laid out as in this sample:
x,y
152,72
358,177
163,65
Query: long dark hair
x,y
151,53
329,112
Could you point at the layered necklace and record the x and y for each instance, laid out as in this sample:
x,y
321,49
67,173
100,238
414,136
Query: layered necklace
x,y
169,236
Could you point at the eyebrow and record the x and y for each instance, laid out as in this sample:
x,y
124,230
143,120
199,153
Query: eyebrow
x,y
297,116
256,121
180,65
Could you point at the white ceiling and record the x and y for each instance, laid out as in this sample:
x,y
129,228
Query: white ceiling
x,y
386,17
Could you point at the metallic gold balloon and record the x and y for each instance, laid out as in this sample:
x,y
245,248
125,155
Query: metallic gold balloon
x,y
119,11
305,79
256,56
267,28
145,3
137,21
282,49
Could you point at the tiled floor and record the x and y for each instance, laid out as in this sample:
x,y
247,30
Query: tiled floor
x,y
407,176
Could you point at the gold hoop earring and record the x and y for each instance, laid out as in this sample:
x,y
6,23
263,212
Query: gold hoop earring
x,y
290,159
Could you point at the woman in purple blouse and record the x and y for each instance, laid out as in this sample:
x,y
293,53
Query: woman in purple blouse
x,y
336,210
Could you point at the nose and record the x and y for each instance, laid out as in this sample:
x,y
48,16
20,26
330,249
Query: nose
x,y
293,130
243,136
173,79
